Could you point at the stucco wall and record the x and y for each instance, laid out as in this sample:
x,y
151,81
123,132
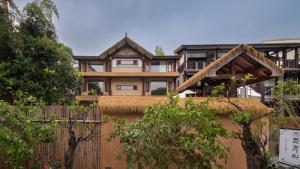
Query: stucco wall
x,y
236,156
127,68
126,81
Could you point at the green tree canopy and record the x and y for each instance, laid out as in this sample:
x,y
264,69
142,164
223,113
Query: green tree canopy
x,y
159,51
169,134
35,62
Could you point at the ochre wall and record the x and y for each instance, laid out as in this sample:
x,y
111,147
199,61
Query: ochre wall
x,y
236,156
127,81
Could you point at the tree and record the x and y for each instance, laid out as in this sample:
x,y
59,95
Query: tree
x,y
159,51
20,132
34,61
169,134
78,117
255,139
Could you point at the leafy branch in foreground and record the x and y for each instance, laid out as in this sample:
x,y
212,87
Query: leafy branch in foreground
x,y
169,134
21,131
254,129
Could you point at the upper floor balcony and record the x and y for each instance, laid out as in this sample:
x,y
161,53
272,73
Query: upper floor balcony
x,y
192,65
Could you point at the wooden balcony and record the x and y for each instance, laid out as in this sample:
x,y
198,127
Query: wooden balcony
x,y
291,64
192,65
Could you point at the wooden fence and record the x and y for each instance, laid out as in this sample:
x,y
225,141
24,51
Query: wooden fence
x,y
87,155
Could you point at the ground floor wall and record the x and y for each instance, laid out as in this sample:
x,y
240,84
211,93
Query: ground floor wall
x,y
109,150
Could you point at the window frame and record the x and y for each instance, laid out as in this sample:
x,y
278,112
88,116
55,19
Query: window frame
x,y
119,62
89,64
167,88
102,90
119,87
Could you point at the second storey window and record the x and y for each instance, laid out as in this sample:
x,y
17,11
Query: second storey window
x,y
96,86
93,67
127,87
159,66
129,62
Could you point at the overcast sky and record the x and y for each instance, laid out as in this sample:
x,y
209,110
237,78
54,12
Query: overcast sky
x,y
91,26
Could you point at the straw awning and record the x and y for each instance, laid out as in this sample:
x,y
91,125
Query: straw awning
x,y
241,60
137,104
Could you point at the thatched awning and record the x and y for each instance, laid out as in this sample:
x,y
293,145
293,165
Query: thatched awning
x,y
129,74
241,60
137,104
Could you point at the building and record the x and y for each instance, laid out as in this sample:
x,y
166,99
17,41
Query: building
x,y
127,68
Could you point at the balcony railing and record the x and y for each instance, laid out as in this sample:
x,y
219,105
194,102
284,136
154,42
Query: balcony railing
x,y
291,64
192,65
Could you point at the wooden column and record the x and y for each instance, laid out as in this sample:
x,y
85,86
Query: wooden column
x,y
297,57
262,92
109,84
143,93
284,58
202,87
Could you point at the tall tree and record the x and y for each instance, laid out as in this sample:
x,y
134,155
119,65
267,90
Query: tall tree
x,y
159,51
36,63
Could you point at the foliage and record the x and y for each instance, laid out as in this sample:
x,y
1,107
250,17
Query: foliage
x,y
20,132
282,92
159,51
33,61
254,131
52,163
169,134
37,19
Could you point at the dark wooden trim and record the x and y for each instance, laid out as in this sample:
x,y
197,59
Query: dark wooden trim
x,y
143,88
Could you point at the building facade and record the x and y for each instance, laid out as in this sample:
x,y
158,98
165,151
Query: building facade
x,y
127,68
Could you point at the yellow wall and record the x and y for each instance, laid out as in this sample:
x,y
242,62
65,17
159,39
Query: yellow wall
x,y
126,81
236,156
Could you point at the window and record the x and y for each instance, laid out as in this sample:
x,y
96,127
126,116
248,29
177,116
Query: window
x,y
158,88
192,54
219,54
127,62
98,86
291,55
127,87
159,66
170,67
96,67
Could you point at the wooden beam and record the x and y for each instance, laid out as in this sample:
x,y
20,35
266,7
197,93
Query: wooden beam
x,y
227,76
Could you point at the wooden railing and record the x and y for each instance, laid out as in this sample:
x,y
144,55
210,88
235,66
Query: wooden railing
x,y
192,65
291,64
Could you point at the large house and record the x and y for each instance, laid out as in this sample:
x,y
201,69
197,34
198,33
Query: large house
x,y
127,68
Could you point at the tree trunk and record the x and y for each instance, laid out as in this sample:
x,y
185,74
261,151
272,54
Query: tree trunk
x,y
254,156
5,7
70,153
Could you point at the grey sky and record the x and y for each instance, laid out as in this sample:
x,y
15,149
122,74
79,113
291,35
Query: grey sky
x,y
91,26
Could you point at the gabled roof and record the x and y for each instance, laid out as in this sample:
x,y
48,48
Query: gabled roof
x,y
238,51
257,46
125,41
